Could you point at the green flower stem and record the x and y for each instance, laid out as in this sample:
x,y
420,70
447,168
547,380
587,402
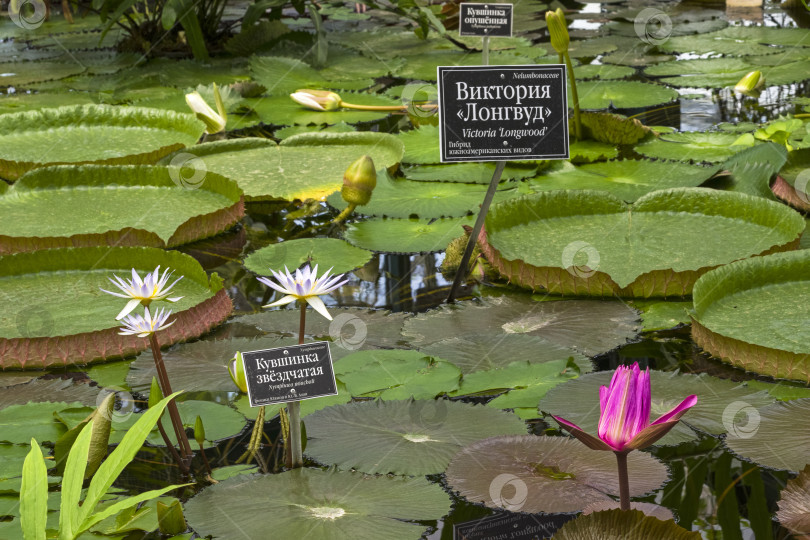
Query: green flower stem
x,y
205,460
392,108
577,122
294,407
624,481
345,214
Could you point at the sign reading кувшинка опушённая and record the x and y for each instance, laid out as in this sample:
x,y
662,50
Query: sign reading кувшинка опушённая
x,y
485,20
287,374
503,113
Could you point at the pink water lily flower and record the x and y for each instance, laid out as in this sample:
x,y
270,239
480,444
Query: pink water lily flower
x,y
624,423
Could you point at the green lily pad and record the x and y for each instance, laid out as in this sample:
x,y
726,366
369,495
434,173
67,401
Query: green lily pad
x,y
220,422
402,198
321,505
621,95
282,110
45,207
781,390
289,131
586,256
64,318
720,43
627,179
405,235
589,151
623,525
308,406
768,35
578,401
696,147
769,436
781,68
487,351
396,374
602,72
11,463
19,423
98,134
22,74
201,366
527,473
54,390
752,314
401,437
265,170
421,145
41,100
612,128
422,67
282,76
752,169
326,252
793,504
663,315
468,173
587,326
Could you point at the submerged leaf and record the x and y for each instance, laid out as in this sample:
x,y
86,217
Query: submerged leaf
x,y
620,525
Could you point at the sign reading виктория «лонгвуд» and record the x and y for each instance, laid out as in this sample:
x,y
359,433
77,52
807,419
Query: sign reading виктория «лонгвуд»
x,y
485,20
503,113
287,374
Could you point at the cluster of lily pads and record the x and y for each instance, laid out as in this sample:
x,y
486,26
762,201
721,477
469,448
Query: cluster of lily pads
x,y
104,173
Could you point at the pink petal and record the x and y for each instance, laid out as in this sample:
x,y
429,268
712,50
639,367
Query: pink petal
x,y
677,412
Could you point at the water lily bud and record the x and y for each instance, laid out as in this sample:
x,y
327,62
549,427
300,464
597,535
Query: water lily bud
x,y
750,83
319,100
214,120
155,393
558,30
359,181
237,371
199,431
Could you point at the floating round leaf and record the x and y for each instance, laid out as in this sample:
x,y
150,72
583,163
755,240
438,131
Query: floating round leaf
x,y
781,68
317,505
402,437
621,525
308,406
589,327
578,402
622,94
63,318
469,173
282,76
552,475
627,179
19,423
405,235
97,134
265,170
283,111
794,504
719,43
753,314
421,145
396,374
327,252
483,351
591,243
711,147
49,390
663,315
768,435
45,208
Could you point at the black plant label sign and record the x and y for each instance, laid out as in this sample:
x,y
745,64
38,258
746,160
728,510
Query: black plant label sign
x,y
511,526
483,20
503,113
287,374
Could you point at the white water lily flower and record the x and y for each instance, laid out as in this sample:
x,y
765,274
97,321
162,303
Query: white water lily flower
x,y
214,120
143,291
145,325
318,100
305,286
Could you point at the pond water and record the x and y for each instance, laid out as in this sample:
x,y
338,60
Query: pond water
x,y
711,489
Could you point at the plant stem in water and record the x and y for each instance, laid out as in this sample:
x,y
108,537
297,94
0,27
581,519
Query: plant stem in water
x,y
624,481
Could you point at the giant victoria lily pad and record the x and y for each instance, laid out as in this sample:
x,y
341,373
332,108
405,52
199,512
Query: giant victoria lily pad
x,y
791,185
551,475
412,437
97,134
317,505
578,401
794,504
753,314
591,243
619,525
58,316
306,166
136,205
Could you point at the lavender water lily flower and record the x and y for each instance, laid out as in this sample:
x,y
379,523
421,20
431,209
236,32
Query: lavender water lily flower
x,y
305,286
624,423
146,324
143,291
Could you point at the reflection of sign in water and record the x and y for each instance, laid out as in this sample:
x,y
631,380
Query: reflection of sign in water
x,y
510,525
287,374
483,20
503,113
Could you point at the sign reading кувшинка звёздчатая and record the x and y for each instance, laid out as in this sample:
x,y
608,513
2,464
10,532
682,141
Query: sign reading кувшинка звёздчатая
x,y
292,373
503,113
